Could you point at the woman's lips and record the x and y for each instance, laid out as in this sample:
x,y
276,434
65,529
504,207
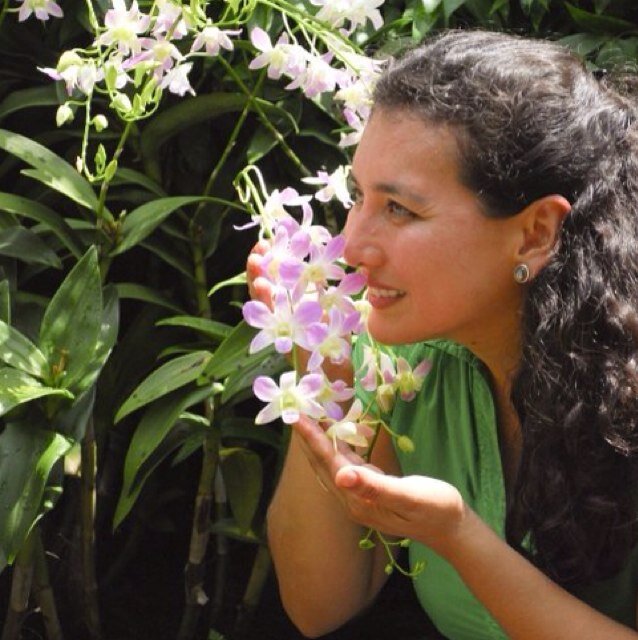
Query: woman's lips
x,y
380,296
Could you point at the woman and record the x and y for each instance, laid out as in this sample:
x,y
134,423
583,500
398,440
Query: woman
x,y
495,218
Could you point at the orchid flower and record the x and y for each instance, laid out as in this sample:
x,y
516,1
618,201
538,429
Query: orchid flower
x,y
282,326
334,185
123,27
347,429
42,9
288,400
213,38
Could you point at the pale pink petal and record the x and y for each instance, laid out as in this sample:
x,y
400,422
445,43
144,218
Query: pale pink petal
x,y
265,388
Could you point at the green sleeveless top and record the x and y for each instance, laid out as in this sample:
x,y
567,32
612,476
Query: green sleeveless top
x,y
452,423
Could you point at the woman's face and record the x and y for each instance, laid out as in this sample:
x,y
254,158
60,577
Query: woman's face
x,y
436,265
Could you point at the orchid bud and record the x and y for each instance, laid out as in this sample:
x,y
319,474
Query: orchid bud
x,y
63,115
405,444
100,123
385,397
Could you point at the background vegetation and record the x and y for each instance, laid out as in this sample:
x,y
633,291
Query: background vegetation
x,y
143,518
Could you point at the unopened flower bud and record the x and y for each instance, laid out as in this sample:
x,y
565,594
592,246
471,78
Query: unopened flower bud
x,y
68,59
100,123
405,444
79,165
366,543
388,569
385,397
63,115
121,102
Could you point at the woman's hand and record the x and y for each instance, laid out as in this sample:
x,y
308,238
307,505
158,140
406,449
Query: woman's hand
x,y
259,287
417,507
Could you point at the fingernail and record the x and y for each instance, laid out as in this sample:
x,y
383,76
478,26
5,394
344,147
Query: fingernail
x,y
348,478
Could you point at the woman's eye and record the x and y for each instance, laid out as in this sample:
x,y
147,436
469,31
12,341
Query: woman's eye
x,y
355,195
399,211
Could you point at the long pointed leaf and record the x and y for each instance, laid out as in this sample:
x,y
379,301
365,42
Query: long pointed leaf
x,y
44,96
27,456
71,324
210,328
231,354
27,246
134,291
51,169
152,431
170,376
37,211
145,219
18,351
17,387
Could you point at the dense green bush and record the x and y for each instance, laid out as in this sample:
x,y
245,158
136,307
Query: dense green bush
x,y
125,381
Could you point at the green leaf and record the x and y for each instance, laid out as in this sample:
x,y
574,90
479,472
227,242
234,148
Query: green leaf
x,y
597,23
230,529
37,211
50,168
44,96
145,219
170,253
244,429
130,176
231,282
151,432
243,475
266,362
210,328
17,387
133,291
106,339
71,324
184,114
5,301
23,244
27,456
170,376
583,43
231,353
19,352
450,6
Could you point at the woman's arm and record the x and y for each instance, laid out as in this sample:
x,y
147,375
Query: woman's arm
x,y
527,604
324,578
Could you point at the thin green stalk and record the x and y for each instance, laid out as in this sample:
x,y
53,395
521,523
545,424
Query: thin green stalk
x,y
231,142
43,593
104,188
4,11
195,569
252,596
265,121
20,589
89,580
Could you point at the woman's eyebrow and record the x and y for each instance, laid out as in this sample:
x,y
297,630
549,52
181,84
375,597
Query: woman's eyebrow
x,y
394,189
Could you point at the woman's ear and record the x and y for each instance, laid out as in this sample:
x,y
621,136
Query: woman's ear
x,y
541,222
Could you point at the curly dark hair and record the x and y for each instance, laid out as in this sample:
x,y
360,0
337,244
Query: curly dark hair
x,y
531,121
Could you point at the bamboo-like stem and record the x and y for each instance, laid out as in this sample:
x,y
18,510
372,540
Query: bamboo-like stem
x,y
195,569
89,580
43,593
20,589
255,587
221,550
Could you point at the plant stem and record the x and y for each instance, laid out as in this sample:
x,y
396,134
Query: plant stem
x,y
43,593
20,589
89,581
266,122
252,595
195,569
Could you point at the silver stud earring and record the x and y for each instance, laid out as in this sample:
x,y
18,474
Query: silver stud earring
x,y
521,273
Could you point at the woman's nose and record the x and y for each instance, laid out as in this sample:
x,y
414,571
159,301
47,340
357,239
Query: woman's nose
x,y
363,247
